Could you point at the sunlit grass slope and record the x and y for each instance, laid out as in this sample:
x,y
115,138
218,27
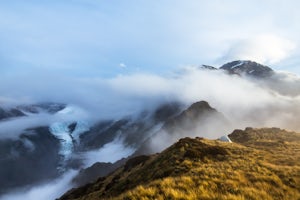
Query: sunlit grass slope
x,y
259,164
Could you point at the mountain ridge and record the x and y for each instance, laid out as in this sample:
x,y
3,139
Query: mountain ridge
x,y
186,121
148,132
218,169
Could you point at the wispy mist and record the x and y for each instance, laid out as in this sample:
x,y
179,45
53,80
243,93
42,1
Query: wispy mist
x,y
243,101
108,60
48,191
110,152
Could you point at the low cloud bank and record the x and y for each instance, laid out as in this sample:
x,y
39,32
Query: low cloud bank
x,y
110,152
49,191
244,102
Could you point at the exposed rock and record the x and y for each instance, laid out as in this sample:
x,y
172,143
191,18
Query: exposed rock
x,y
248,68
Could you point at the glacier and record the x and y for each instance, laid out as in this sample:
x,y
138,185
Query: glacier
x,y
68,139
61,131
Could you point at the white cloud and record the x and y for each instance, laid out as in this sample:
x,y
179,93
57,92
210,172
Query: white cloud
x,y
49,191
84,37
129,94
267,49
242,101
122,65
110,152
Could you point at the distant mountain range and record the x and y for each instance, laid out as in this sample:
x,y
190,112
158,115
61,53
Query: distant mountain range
x,y
244,68
43,152
24,110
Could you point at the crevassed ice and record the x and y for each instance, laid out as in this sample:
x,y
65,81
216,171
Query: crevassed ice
x,y
61,131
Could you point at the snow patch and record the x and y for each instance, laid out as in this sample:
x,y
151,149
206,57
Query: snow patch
x,y
237,65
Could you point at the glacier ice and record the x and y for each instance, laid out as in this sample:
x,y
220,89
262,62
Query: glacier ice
x,y
62,132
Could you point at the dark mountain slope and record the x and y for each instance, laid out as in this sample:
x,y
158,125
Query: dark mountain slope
x,y
99,169
199,118
32,159
190,118
134,130
48,107
19,111
207,169
8,113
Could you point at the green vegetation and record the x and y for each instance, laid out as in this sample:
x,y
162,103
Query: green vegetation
x,y
259,164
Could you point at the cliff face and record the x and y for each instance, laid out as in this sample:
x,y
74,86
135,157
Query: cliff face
x,y
258,164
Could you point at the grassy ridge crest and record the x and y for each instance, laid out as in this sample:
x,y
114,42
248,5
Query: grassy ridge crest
x,y
258,164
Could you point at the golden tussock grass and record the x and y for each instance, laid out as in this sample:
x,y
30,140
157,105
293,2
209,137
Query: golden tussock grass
x,y
265,165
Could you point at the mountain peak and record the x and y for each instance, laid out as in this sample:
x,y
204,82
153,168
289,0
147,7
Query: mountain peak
x,y
200,105
198,108
247,67
192,117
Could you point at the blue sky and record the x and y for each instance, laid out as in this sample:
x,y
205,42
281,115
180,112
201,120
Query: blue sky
x,y
94,38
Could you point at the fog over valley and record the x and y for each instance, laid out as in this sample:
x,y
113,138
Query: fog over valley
x,y
91,90
131,105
